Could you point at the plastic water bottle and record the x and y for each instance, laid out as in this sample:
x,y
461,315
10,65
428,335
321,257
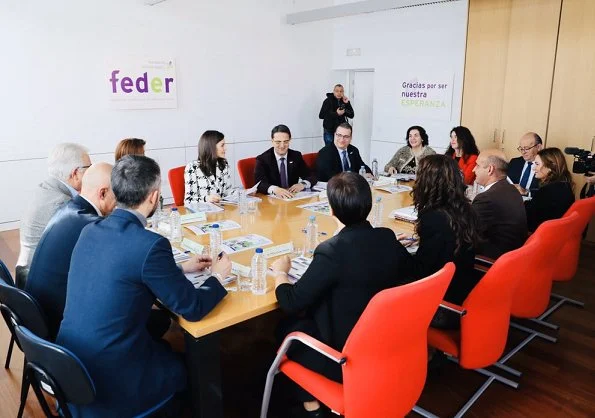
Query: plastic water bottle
x,y
362,171
215,240
377,213
259,273
375,168
311,236
175,224
242,201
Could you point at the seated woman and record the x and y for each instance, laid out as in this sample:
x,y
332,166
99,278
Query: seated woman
x,y
130,146
556,192
207,179
347,270
447,228
464,150
407,158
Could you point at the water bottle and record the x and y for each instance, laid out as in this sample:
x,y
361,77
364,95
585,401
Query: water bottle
x,y
377,213
311,236
375,168
215,240
259,273
242,201
156,218
362,171
175,225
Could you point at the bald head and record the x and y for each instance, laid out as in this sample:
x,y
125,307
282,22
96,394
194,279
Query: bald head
x,y
529,145
96,187
491,166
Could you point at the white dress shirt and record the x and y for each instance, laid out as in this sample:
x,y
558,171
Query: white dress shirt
x,y
306,183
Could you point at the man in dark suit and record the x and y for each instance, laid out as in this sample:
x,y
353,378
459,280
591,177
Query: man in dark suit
x,y
280,170
118,270
500,208
340,155
346,271
49,268
519,169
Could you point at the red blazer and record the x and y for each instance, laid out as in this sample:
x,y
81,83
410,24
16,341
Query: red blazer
x,y
467,164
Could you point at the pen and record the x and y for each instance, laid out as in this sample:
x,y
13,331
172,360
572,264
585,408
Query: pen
x,y
320,233
407,239
220,255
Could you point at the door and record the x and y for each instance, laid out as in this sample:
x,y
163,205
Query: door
x,y
362,95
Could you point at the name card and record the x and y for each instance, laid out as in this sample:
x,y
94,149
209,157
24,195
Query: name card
x,y
278,250
240,270
192,246
193,217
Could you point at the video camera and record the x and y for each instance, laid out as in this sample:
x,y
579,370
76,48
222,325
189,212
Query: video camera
x,y
583,160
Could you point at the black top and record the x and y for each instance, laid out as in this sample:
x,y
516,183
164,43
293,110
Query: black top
x,y
329,162
266,170
551,201
515,170
346,272
436,248
502,219
328,112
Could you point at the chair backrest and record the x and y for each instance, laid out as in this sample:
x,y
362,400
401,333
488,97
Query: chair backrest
x,y
533,292
177,184
66,372
23,309
310,160
568,258
387,351
484,329
5,275
246,171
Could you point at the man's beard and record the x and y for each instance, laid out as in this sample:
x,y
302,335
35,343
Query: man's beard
x,y
154,209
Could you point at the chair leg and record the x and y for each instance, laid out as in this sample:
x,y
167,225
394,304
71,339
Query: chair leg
x,y
24,390
568,300
9,353
545,324
423,412
507,369
532,331
268,387
475,397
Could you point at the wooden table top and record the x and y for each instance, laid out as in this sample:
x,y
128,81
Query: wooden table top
x,y
281,222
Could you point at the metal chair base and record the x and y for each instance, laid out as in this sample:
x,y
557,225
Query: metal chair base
x,y
9,353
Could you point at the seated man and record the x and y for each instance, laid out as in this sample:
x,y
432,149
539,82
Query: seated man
x,y
339,155
519,168
66,166
280,170
117,271
346,272
49,269
500,208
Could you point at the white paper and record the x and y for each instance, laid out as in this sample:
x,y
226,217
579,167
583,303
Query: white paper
x,y
278,250
321,208
193,217
204,228
198,278
320,186
233,198
243,243
205,207
395,189
299,265
179,256
298,196
407,213
192,246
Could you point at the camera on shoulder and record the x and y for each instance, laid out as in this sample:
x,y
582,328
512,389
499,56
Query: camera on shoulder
x,y
583,160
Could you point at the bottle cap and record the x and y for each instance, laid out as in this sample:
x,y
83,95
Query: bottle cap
x,y
174,209
215,226
259,251
312,218
378,199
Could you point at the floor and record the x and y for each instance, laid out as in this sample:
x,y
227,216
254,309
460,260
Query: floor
x,y
558,379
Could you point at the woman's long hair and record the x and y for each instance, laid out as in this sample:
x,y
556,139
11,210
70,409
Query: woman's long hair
x,y
466,142
553,159
440,186
207,153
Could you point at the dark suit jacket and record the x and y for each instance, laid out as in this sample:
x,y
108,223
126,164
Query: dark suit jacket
x,y
346,272
266,170
515,170
329,162
551,201
502,219
48,274
118,269
436,248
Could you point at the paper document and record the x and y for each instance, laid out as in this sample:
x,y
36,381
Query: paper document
x,y
180,256
395,189
299,265
193,217
319,186
278,250
298,196
205,207
243,243
383,181
408,214
232,199
321,208
204,228
198,278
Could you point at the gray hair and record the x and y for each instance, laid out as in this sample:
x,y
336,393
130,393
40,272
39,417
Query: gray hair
x,y
134,178
64,158
500,164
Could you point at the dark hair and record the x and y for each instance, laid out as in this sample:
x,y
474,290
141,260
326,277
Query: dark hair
x,y
553,159
466,142
345,125
134,177
281,129
422,133
130,146
350,197
440,187
207,153
537,138
338,85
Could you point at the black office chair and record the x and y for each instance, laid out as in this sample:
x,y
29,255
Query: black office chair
x,y
18,307
7,278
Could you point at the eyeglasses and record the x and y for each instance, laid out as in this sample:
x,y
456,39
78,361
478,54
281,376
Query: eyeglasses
x,y
339,136
281,142
83,167
521,149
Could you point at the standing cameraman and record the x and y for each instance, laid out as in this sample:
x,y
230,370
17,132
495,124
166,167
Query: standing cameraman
x,y
335,110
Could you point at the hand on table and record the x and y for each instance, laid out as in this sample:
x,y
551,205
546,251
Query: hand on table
x,y
298,187
196,263
281,192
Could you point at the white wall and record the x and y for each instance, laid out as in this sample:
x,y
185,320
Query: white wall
x,y
425,40
240,70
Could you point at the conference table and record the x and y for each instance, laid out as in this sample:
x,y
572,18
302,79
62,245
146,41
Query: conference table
x,y
282,222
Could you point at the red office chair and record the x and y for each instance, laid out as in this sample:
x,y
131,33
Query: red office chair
x,y
485,318
310,160
384,361
246,171
177,184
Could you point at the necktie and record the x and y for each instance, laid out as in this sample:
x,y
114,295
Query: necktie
x,y
345,162
283,174
525,178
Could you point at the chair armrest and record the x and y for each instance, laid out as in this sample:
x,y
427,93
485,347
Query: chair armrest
x,y
484,260
312,343
453,308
